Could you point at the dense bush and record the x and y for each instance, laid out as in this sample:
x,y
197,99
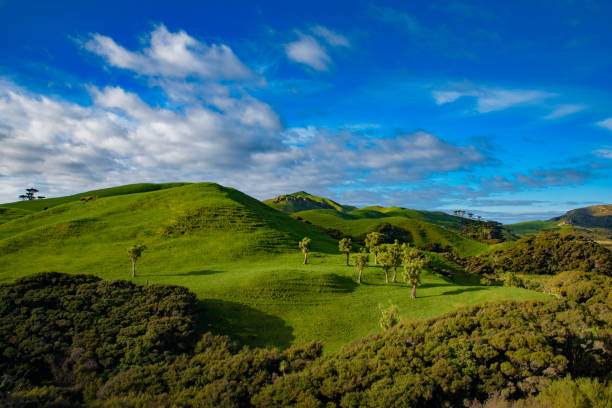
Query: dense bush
x,y
69,340
547,253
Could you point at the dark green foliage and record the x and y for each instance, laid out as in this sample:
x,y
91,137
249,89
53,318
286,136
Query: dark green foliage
x,y
74,331
67,340
548,253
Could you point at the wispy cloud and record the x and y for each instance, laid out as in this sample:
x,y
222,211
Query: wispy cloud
x,y
307,50
334,39
606,153
564,110
489,99
169,54
607,123
401,19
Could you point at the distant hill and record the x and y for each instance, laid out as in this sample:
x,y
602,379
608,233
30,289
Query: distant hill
x,y
302,201
594,222
597,216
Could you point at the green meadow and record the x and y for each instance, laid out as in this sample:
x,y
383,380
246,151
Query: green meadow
x,y
240,257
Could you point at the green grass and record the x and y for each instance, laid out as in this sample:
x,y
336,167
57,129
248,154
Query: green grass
x,y
238,255
533,227
359,222
301,201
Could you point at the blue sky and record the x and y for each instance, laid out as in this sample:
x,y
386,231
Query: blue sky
x,y
503,110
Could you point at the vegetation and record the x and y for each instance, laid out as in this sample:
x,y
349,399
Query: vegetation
x,y
373,241
135,252
389,316
361,261
112,343
305,247
547,253
300,201
345,245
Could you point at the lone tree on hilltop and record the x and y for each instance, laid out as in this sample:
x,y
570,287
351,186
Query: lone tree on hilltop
x,y
345,246
412,274
30,194
373,241
135,252
305,247
360,260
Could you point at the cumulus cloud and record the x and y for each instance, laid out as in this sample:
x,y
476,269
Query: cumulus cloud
x,y
564,110
607,123
171,55
489,99
306,50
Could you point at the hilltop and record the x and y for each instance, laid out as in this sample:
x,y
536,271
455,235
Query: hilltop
x,y
240,257
301,201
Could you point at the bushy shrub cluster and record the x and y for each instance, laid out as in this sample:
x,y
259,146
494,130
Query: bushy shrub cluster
x,y
547,253
70,340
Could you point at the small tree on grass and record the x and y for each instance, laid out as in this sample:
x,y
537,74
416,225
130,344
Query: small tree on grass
x,y
360,261
373,241
305,247
345,246
412,273
389,316
386,262
135,252
395,254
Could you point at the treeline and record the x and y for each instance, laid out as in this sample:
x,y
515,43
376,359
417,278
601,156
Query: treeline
x,y
76,340
547,253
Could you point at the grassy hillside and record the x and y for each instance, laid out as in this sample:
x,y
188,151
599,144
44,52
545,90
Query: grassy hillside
x,y
301,201
533,227
357,223
241,259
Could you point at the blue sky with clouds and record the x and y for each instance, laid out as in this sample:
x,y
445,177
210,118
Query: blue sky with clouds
x,y
504,110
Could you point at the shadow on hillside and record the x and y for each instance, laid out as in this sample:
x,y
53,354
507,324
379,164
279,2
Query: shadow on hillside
x,y
459,291
190,273
244,324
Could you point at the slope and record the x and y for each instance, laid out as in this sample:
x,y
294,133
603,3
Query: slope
x,y
301,201
395,224
238,255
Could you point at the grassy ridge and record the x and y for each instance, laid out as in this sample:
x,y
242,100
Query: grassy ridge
x,y
239,256
359,222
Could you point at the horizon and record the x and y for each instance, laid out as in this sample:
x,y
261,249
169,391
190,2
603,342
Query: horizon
x,y
503,111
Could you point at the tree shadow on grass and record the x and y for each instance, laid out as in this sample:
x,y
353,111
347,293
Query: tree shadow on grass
x,y
452,292
243,324
203,272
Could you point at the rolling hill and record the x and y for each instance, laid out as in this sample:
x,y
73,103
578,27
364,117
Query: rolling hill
x,y
301,201
238,255
594,222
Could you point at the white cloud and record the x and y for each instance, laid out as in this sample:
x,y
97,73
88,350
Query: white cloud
x,y
172,55
334,39
605,153
307,50
606,123
489,99
564,110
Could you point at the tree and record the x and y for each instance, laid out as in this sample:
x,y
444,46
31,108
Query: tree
x,y
384,256
305,247
29,195
345,246
412,273
372,241
389,316
135,252
360,260
395,252
470,215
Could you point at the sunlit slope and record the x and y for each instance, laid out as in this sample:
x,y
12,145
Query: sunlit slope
x,y
302,201
394,223
185,225
18,209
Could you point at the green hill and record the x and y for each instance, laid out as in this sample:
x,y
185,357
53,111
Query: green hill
x,y
405,225
594,222
301,201
239,256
